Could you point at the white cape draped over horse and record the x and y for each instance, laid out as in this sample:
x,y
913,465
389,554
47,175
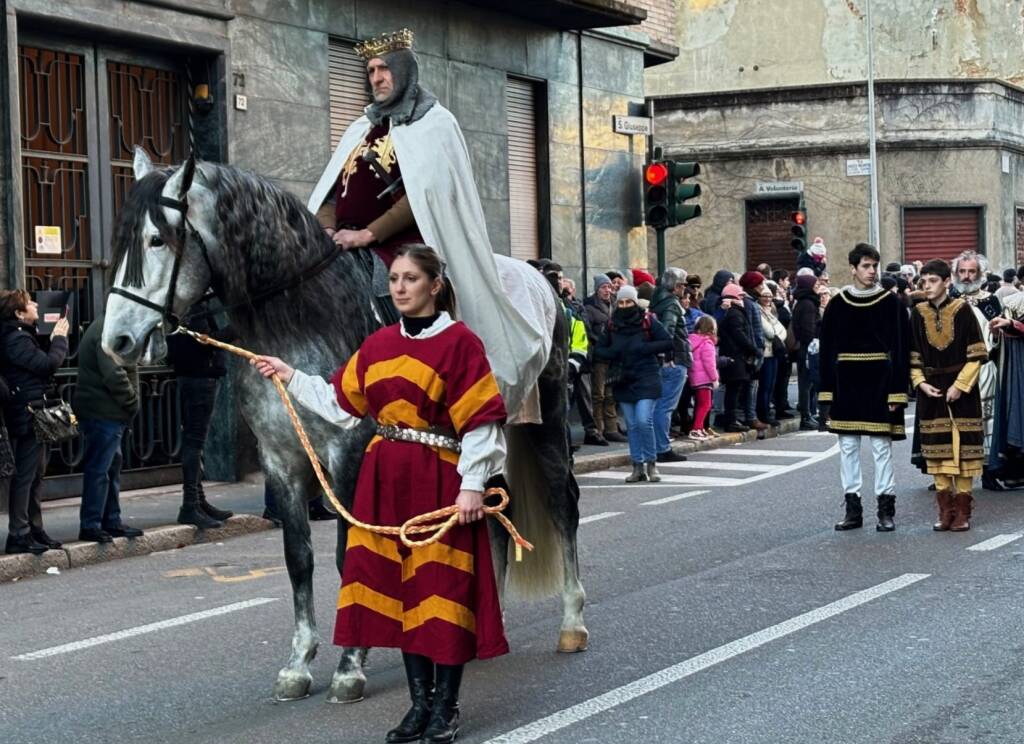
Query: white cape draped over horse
x,y
506,302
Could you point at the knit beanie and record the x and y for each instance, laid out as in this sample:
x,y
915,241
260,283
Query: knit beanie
x,y
626,292
751,279
732,291
640,276
600,280
806,281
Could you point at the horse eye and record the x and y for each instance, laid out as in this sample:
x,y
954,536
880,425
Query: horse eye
x,y
156,242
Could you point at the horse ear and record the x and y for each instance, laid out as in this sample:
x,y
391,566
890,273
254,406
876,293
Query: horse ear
x,y
179,184
141,164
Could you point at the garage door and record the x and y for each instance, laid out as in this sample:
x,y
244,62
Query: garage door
x,y
940,233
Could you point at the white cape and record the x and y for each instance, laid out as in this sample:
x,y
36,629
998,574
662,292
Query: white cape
x,y
506,302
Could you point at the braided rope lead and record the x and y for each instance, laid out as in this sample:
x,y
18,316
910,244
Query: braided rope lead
x,y
439,521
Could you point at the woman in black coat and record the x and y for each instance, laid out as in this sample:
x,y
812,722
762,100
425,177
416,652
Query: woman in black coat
x,y
28,371
633,344
735,341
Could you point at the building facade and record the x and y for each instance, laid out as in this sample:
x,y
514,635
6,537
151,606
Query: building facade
x,y
774,107
534,89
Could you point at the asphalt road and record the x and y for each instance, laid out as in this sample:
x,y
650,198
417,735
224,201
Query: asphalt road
x,y
722,607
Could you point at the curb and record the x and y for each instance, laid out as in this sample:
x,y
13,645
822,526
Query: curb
x,y
175,536
591,463
155,539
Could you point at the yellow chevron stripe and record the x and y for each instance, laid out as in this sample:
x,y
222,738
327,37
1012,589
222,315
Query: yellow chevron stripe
x,y
379,544
436,553
402,412
472,400
435,607
350,385
362,595
422,375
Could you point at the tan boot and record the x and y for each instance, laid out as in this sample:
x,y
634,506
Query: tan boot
x,y
962,520
947,510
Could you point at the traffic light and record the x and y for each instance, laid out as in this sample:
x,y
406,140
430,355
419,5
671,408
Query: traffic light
x,y
799,229
656,202
679,211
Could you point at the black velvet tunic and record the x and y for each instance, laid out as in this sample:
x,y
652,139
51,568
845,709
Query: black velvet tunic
x,y
864,363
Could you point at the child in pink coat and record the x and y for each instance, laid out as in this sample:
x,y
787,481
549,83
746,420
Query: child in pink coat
x,y
703,373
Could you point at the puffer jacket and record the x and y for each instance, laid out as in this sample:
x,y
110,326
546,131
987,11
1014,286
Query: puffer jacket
x,y
28,371
596,315
636,349
705,360
806,321
666,306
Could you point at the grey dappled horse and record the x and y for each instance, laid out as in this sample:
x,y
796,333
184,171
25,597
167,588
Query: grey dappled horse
x,y
290,292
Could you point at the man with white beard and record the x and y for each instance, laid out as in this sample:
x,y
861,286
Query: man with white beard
x,y
970,270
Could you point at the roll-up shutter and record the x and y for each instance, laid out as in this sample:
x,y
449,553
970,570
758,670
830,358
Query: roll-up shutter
x,y
520,108
346,77
940,233
769,231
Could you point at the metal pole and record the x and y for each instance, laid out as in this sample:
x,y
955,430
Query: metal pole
x,y
660,233
872,152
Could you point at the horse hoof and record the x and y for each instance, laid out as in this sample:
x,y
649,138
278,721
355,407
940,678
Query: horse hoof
x,y
573,641
292,685
346,689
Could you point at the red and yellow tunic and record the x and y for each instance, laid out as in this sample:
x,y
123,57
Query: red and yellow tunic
x,y
440,601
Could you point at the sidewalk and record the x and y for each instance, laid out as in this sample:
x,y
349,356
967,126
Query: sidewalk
x,y
155,509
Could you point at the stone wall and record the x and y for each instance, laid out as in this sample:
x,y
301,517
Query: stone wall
x,y
736,44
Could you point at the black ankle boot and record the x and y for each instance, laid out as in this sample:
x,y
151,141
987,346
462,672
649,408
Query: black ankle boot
x,y
444,716
886,512
854,518
419,673
210,510
23,544
192,514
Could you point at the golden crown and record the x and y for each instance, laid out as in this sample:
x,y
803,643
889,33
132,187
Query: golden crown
x,y
385,43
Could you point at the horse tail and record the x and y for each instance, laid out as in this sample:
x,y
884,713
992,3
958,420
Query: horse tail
x,y
540,573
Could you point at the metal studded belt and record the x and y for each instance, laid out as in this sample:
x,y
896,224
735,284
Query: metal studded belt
x,y
431,437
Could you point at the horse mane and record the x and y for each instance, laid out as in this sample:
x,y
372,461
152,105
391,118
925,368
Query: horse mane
x,y
267,236
142,199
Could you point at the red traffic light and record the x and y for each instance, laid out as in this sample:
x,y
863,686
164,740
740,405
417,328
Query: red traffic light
x,y
799,218
655,173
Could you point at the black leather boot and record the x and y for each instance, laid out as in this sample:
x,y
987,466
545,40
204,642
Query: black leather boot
x,y
23,544
444,715
211,510
40,536
886,512
419,673
192,513
854,518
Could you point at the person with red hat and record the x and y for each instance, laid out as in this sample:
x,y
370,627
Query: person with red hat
x,y
751,283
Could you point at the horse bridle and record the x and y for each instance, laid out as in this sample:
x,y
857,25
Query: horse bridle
x,y
185,231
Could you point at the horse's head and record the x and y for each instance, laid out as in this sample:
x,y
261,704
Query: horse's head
x,y
161,267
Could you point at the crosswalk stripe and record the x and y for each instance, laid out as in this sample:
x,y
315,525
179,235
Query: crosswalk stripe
x,y
686,480
740,467
796,454
670,499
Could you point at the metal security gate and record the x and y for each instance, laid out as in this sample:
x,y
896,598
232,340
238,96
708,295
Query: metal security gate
x,y
83,109
348,90
521,113
940,232
769,232
1019,235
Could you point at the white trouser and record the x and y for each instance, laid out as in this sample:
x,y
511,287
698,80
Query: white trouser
x,y
849,464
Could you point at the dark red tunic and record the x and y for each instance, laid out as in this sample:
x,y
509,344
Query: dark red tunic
x,y
440,601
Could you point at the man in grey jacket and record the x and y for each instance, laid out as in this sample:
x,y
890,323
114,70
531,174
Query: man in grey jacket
x,y
676,365
106,400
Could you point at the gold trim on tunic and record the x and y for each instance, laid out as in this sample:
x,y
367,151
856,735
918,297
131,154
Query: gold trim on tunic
x,y
880,356
867,426
882,294
938,324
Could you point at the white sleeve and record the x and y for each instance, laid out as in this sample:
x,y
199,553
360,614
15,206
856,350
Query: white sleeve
x,y
315,394
483,455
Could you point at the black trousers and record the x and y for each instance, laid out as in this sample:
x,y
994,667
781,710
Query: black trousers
x,y
733,390
803,376
581,393
198,395
26,485
780,395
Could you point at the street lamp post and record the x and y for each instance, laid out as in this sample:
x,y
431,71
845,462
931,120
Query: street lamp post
x,y
872,150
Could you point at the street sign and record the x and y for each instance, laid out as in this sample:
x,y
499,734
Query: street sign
x,y
779,187
858,166
631,125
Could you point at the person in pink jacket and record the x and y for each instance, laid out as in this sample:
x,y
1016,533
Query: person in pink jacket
x,y
704,373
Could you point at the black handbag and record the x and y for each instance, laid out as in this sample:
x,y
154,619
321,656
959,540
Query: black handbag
x,y
53,421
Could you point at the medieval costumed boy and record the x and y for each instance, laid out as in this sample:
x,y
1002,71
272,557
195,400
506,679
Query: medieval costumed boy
x,y
401,174
947,352
438,412
864,382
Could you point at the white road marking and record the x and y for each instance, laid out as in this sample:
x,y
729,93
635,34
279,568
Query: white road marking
x,y
686,480
670,499
745,467
602,515
120,635
737,450
628,692
997,542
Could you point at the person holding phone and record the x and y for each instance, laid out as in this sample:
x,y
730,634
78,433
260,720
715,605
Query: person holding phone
x,y
29,371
